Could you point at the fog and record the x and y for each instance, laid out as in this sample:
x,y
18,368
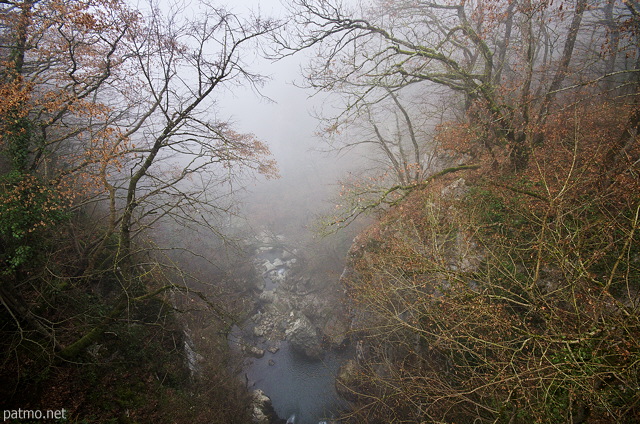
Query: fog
x,y
283,114
163,169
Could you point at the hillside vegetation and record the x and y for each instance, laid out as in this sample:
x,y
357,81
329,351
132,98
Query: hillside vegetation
x,y
504,297
500,281
103,143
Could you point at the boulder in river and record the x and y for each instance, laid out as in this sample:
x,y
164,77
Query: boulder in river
x,y
254,351
269,266
304,337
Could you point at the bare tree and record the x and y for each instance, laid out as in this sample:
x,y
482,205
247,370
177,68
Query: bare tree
x,y
508,60
117,111
391,131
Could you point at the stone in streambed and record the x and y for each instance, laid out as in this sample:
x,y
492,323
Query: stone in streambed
x,y
304,337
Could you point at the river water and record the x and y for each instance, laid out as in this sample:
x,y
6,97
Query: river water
x,y
297,385
294,383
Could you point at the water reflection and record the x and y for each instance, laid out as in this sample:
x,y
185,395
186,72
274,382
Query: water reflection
x,y
297,385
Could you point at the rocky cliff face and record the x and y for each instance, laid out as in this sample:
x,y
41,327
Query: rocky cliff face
x,y
262,411
384,272
465,299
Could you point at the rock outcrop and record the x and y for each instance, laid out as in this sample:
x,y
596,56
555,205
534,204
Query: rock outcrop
x,y
261,408
347,380
262,411
304,337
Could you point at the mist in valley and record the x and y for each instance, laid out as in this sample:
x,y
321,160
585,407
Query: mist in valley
x,y
319,211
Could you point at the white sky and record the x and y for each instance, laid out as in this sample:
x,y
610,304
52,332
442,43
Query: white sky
x,y
285,124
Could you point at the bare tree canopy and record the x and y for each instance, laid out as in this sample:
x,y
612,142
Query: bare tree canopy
x,y
111,112
510,59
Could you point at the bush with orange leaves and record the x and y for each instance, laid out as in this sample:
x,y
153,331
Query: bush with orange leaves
x,y
516,301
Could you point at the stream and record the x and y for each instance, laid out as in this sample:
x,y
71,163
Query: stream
x,y
296,384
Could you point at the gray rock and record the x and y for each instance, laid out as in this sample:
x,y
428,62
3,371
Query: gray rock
x,y
347,380
304,337
278,277
260,405
254,351
268,266
336,330
266,297
273,349
456,190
